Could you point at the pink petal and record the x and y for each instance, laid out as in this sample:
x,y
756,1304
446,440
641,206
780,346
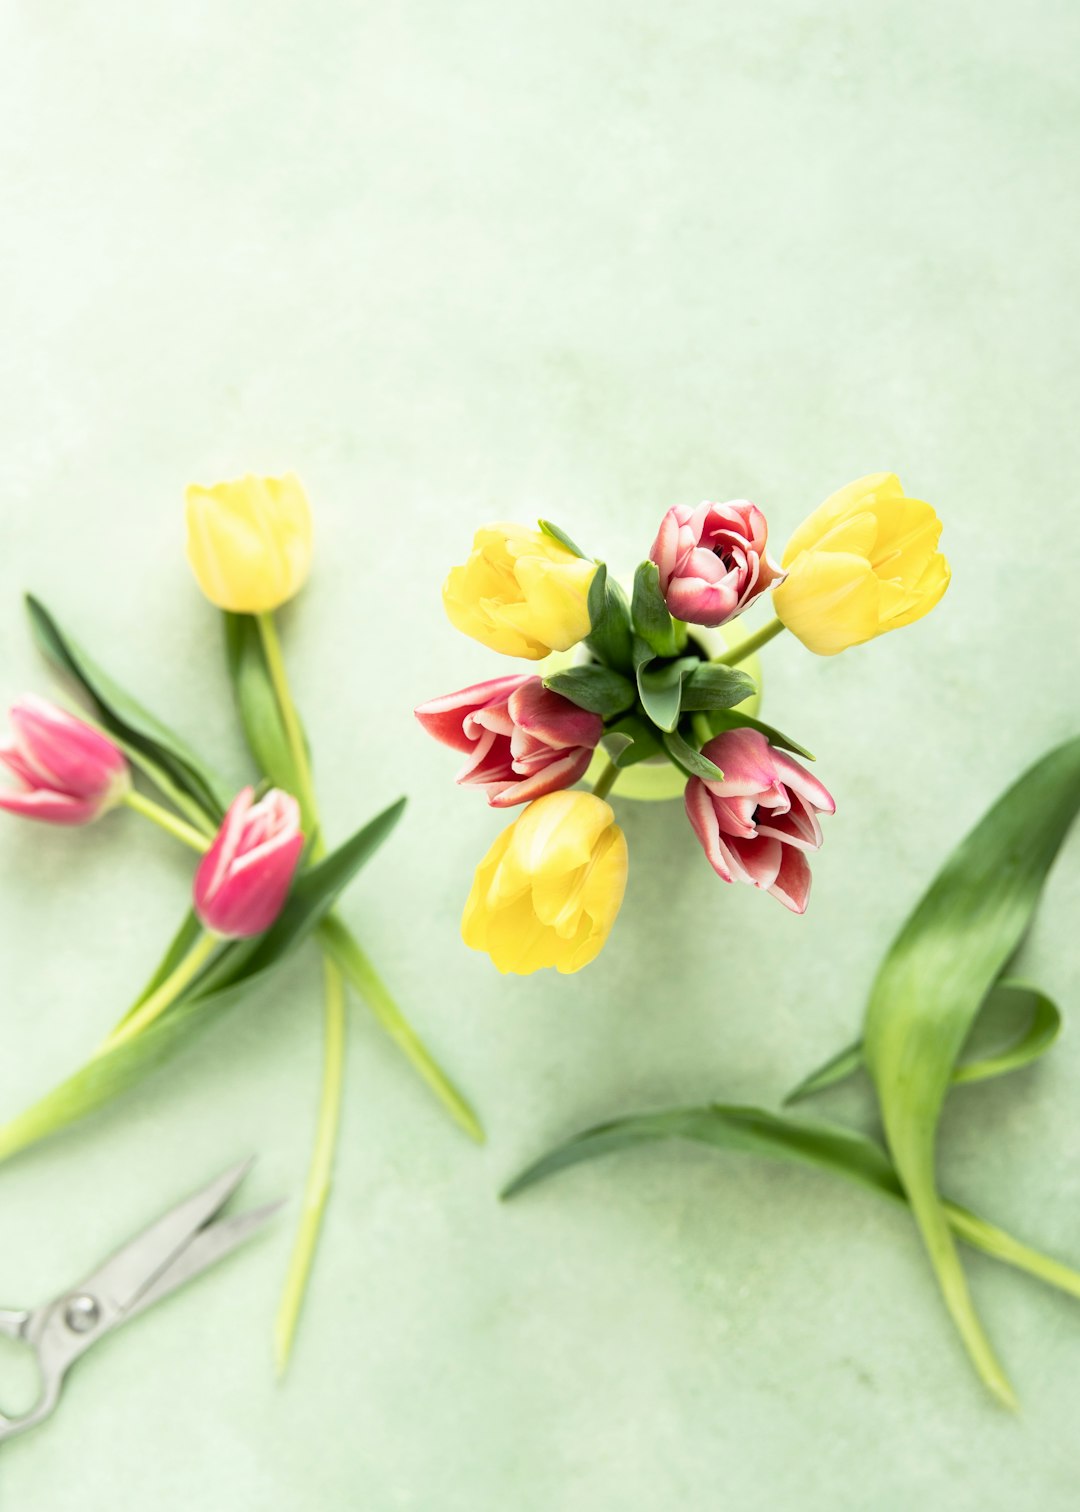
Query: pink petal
x,y
700,812
444,717
792,885
50,807
558,774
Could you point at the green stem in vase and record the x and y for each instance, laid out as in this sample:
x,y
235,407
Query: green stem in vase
x,y
606,780
751,644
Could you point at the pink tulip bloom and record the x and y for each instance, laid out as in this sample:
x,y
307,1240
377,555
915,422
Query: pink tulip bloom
x,y
712,560
244,878
69,773
758,824
521,739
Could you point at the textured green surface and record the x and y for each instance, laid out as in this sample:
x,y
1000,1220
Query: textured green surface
x,y
464,262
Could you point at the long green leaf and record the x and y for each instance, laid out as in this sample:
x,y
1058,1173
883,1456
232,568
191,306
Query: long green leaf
x,y
593,687
125,717
713,686
609,638
652,619
114,1072
689,759
825,1147
931,986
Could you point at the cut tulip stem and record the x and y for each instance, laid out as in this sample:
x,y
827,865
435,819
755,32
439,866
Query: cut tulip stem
x,y
320,1171
606,780
275,663
361,974
165,995
751,644
172,824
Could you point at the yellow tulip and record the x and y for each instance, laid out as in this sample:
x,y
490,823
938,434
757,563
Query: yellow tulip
x,y
249,542
864,563
550,888
520,592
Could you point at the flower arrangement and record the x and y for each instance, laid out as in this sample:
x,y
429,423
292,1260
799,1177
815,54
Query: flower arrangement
x,y
265,878
648,682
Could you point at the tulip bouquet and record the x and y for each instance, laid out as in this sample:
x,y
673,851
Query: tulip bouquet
x,y
265,879
659,676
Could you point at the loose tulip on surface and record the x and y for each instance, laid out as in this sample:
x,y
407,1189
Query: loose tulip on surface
x,y
69,773
712,560
864,563
759,822
521,740
249,542
521,592
244,878
550,888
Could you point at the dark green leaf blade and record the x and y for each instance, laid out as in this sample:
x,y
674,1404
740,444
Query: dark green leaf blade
x,y
123,716
643,741
660,686
609,615
563,539
692,762
593,687
712,686
649,610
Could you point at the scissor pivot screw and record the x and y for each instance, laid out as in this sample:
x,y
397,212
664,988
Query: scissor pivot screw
x,y
82,1314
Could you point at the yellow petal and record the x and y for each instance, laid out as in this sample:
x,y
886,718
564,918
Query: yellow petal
x,y
250,541
829,600
853,498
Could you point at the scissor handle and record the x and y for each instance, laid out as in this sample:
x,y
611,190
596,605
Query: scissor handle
x,y
16,1325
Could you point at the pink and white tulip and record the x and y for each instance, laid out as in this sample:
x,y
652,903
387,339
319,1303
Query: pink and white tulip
x,y
69,773
712,560
244,878
521,740
759,823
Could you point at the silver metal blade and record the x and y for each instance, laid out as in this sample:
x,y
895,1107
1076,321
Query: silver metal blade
x,y
209,1246
131,1270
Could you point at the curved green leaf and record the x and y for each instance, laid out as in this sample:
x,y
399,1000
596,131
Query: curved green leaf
x,y
256,702
649,611
931,986
713,686
837,1151
609,638
125,718
563,539
691,761
593,687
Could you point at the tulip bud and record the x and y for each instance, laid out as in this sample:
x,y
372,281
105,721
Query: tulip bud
x,y
758,823
521,592
712,560
864,563
521,739
70,773
249,542
244,878
550,888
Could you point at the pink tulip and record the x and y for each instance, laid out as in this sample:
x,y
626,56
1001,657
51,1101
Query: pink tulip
x,y
244,878
521,739
712,560
758,824
69,773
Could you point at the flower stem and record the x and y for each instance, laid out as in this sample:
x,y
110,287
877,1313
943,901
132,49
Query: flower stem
x,y
275,663
320,1171
702,729
361,974
751,644
606,780
170,989
171,823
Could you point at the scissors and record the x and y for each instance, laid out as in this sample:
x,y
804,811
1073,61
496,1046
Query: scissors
x,y
173,1250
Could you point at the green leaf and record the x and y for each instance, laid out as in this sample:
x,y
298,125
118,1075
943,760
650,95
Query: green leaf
x,y
732,719
593,687
256,702
660,687
609,615
692,762
825,1147
931,986
652,620
1040,1031
642,737
112,1073
563,539
122,716
712,686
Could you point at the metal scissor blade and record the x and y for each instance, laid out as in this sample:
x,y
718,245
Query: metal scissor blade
x,y
209,1246
131,1270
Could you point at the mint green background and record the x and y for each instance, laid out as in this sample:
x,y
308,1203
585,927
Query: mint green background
x,y
461,262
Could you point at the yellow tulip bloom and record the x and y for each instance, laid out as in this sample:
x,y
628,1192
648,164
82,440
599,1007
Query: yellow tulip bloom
x,y
550,888
864,563
249,542
520,592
